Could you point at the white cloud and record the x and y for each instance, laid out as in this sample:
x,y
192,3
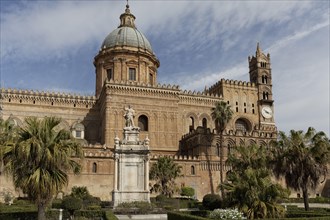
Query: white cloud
x,y
38,32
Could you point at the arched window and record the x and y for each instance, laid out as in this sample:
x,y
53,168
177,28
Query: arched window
x,y
265,95
241,124
94,168
191,125
132,74
229,149
204,123
109,74
151,79
192,170
143,123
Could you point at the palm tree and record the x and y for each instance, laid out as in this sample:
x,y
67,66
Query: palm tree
x,y
164,172
8,133
250,188
40,159
221,114
302,158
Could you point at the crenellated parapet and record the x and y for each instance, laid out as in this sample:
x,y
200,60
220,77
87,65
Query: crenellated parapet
x,y
142,84
141,89
181,158
198,98
218,87
47,98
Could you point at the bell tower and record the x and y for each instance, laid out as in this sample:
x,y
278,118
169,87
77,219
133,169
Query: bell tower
x,y
260,74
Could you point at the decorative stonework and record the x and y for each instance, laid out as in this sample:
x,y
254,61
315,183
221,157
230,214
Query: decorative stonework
x,y
47,98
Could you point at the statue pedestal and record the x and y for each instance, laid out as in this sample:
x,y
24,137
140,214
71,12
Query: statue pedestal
x,y
131,181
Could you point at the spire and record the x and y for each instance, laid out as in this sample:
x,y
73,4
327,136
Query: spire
x,y
127,19
258,52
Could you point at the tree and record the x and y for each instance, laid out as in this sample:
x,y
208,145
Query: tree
x,y
187,191
72,204
8,133
250,188
80,192
302,158
164,172
221,115
40,159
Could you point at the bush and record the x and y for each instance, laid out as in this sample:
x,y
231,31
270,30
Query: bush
x,y
91,201
89,214
57,204
22,201
134,208
71,204
26,215
80,192
108,215
161,198
187,191
225,214
211,201
182,216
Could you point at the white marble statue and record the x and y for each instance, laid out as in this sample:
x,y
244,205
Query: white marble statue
x,y
129,116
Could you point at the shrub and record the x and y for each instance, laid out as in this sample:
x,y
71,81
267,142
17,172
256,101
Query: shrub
x,y
182,216
57,204
161,198
211,201
187,191
89,214
108,215
91,201
134,207
71,204
80,192
225,214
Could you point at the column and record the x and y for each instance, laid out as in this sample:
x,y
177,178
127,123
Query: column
x,y
146,174
116,173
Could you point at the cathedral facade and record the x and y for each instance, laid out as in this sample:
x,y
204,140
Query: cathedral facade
x,y
177,123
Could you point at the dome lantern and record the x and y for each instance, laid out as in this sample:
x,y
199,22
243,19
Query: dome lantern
x,y
127,19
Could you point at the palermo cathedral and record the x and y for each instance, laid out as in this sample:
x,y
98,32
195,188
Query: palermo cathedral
x,y
178,123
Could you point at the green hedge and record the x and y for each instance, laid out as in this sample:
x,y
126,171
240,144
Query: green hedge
x,y
90,214
307,218
26,215
319,199
108,215
294,212
183,216
174,203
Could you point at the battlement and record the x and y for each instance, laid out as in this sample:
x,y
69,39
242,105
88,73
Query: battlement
x,y
46,97
142,84
236,83
175,157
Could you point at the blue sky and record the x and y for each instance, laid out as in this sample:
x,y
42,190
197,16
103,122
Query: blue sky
x,y
50,45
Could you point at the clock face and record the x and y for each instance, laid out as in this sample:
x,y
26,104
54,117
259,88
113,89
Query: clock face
x,y
267,112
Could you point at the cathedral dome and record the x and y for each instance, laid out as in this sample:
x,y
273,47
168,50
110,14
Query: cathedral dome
x,y
127,36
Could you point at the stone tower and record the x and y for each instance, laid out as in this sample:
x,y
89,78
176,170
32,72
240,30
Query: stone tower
x,y
260,74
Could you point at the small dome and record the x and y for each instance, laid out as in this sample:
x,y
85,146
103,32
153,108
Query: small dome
x,y
127,36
